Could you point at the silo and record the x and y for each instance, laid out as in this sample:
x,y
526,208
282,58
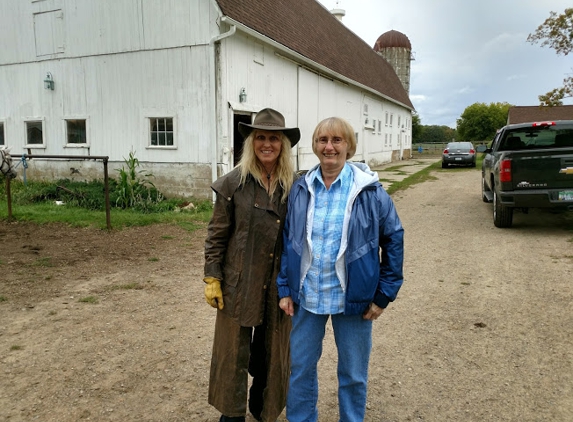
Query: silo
x,y
395,47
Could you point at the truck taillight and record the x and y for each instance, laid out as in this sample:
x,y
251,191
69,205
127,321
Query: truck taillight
x,y
543,124
505,171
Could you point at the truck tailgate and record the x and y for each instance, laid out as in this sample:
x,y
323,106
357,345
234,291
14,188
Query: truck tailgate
x,y
547,169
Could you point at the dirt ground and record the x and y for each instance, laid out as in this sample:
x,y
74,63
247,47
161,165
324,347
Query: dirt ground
x,y
113,326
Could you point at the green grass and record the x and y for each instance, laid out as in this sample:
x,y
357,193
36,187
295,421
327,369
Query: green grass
x,y
128,286
84,206
43,262
425,174
16,347
43,213
88,299
3,298
414,179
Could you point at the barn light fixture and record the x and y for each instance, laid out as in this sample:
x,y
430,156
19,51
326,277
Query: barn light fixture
x,y
49,81
243,95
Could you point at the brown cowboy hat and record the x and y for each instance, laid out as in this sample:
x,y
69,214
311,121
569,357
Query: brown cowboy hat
x,y
269,119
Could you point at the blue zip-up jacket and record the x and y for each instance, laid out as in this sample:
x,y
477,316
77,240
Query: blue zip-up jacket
x,y
372,247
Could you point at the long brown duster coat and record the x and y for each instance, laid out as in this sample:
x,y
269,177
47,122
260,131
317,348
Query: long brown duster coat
x,y
243,250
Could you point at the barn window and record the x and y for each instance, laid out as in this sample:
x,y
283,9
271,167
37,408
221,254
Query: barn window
x,y
76,131
161,131
2,142
379,127
34,132
391,118
386,118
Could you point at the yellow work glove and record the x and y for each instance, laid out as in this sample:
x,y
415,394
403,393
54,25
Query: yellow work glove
x,y
213,292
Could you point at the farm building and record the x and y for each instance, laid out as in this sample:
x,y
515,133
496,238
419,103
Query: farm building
x,y
524,114
171,80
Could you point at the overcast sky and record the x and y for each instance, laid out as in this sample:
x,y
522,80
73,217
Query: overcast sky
x,y
466,51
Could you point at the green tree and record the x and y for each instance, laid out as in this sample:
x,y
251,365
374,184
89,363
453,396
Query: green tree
x,y
480,121
557,33
416,128
437,134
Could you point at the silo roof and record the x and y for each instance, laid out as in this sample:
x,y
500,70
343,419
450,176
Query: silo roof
x,y
392,38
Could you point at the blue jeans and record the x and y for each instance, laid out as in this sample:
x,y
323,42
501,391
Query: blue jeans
x,y
353,336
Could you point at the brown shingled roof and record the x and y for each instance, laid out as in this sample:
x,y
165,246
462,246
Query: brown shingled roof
x,y
525,114
307,28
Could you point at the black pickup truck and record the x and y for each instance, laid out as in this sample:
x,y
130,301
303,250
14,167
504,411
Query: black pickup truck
x,y
529,165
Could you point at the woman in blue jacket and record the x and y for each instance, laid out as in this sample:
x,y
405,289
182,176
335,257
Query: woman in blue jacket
x,y
342,259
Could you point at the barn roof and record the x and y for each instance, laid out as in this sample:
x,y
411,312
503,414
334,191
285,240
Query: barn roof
x,y
307,28
524,114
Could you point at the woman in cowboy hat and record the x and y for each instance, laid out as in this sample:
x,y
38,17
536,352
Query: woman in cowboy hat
x,y
242,259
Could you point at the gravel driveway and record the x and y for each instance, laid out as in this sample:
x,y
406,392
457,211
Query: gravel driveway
x,y
482,329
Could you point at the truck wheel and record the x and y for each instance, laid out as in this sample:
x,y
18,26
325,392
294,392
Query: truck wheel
x,y
502,215
484,188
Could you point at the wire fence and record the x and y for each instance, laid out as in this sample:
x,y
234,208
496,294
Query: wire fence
x,y
428,149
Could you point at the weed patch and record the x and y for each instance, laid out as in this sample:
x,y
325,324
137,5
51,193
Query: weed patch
x,y
88,299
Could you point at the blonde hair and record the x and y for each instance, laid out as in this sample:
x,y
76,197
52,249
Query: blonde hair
x,y
284,169
339,127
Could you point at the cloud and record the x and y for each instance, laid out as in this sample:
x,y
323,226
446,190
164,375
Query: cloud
x,y
418,98
465,52
465,90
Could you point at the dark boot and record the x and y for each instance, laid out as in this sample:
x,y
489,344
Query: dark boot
x,y
258,370
224,418
256,399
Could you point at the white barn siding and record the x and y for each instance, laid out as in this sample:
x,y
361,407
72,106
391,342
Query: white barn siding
x,y
118,63
122,63
116,93
319,98
269,79
88,27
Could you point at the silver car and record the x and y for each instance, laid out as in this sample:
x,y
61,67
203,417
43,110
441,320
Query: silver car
x,y
459,154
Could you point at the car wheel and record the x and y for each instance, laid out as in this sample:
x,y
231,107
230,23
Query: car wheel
x,y
474,164
444,165
484,188
502,215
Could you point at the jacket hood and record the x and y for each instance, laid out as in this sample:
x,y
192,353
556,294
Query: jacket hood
x,y
363,175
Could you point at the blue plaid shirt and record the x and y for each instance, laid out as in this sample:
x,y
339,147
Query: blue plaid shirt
x,y
322,291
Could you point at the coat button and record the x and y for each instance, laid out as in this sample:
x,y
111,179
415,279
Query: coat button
x,y
265,287
271,255
256,205
278,221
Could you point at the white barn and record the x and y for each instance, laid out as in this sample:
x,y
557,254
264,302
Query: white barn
x,y
171,80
